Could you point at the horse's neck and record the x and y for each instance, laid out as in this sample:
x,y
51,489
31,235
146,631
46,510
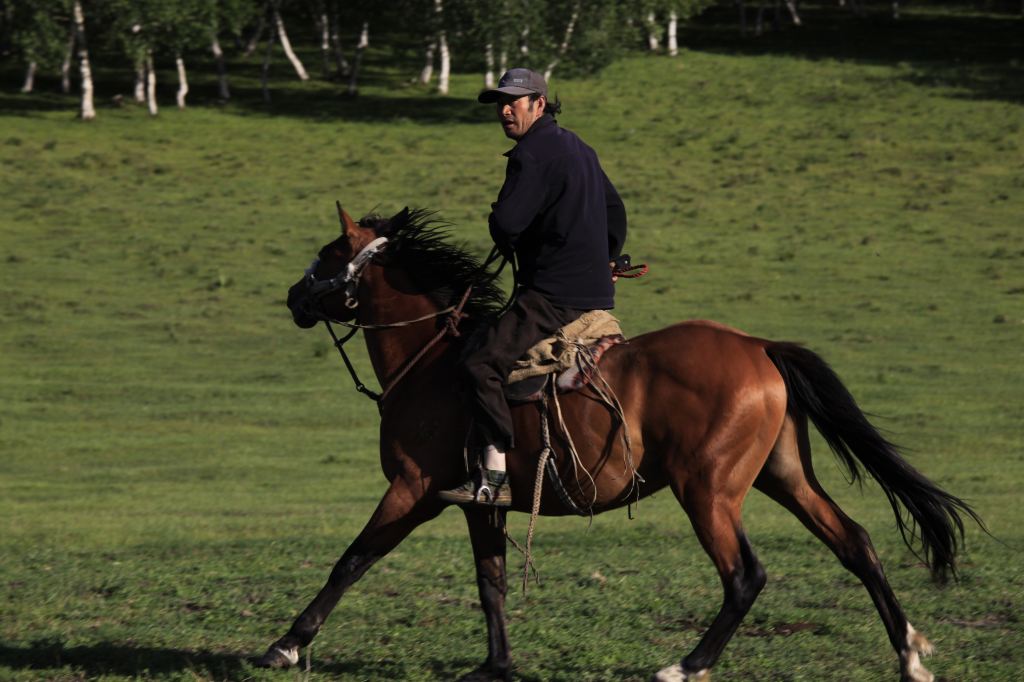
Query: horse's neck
x,y
386,299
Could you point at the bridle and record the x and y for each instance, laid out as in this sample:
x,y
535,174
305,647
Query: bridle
x,y
349,282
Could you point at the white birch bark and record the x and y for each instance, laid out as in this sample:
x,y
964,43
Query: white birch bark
x,y
489,61
223,91
30,77
791,6
444,74
364,42
286,45
257,34
323,25
673,39
653,41
140,80
265,71
88,110
182,81
151,84
524,42
65,66
427,73
503,60
339,55
564,47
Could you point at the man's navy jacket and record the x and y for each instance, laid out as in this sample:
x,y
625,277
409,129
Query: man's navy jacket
x,y
561,215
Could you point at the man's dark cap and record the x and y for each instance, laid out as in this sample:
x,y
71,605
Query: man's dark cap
x,y
516,82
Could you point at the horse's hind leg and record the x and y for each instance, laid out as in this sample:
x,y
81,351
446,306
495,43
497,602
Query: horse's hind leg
x,y
716,521
399,512
788,479
488,540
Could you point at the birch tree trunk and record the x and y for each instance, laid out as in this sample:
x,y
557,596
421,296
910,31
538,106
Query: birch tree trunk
x,y
324,28
565,41
140,80
182,80
446,63
265,71
524,42
364,42
88,110
673,41
653,41
489,61
257,34
30,77
150,84
339,55
503,59
428,63
222,73
65,66
791,6
286,45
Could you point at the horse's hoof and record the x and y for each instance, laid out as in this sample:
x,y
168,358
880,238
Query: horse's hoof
x,y
278,657
675,673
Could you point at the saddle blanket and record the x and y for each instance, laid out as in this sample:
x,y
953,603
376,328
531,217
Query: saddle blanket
x,y
572,352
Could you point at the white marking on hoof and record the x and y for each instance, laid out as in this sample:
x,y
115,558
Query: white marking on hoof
x,y
291,654
675,673
918,645
918,642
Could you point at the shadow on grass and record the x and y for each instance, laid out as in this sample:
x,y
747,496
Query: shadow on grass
x,y
111,658
979,54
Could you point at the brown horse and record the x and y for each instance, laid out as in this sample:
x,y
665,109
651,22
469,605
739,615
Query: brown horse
x,y
711,412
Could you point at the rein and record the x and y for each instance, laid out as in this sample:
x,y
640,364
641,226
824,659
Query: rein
x,y
451,326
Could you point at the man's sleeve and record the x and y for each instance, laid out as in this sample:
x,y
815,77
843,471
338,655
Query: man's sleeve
x,y
521,198
616,219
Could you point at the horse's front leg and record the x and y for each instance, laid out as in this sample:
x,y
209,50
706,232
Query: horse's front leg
x,y
399,512
487,533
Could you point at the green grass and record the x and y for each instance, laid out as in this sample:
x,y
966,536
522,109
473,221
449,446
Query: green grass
x,y
181,466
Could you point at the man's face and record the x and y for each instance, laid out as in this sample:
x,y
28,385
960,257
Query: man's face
x,y
517,114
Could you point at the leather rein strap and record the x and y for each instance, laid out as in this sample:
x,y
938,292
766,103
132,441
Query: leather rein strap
x,y
450,327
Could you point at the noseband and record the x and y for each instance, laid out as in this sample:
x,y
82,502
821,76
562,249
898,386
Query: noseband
x,y
316,289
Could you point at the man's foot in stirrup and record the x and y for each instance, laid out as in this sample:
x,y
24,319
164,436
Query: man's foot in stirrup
x,y
490,488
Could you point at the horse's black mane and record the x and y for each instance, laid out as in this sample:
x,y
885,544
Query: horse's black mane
x,y
442,270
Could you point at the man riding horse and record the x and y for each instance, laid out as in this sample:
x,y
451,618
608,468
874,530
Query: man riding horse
x,y
563,221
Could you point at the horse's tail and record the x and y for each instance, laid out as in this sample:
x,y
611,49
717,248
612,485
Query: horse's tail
x,y
935,516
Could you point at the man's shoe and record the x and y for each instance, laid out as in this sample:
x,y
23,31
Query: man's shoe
x,y
489,489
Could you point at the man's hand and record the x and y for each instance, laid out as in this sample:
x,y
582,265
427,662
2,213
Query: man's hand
x,y
618,265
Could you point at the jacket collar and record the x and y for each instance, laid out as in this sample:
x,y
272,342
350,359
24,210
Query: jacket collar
x,y
545,121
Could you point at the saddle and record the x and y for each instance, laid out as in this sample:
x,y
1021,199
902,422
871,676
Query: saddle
x,y
569,358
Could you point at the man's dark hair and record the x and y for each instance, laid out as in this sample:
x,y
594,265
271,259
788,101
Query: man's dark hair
x,y
553,106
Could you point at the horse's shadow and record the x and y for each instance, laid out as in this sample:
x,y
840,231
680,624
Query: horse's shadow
x,y
112,658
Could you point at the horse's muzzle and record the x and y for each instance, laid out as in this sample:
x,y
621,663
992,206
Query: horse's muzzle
x,y
300,304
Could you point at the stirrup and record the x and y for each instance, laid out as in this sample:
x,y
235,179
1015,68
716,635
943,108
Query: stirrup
x,y
492,490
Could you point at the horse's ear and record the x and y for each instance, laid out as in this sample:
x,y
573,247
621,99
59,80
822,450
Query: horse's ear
x,y
399,220
347,224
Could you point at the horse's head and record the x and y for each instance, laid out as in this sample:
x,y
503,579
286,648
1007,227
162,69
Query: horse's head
x,y
327,290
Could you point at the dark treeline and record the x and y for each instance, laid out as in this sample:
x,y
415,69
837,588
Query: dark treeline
x,y
65,37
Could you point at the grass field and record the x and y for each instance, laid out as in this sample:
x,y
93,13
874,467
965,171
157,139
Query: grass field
x,y
181,466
